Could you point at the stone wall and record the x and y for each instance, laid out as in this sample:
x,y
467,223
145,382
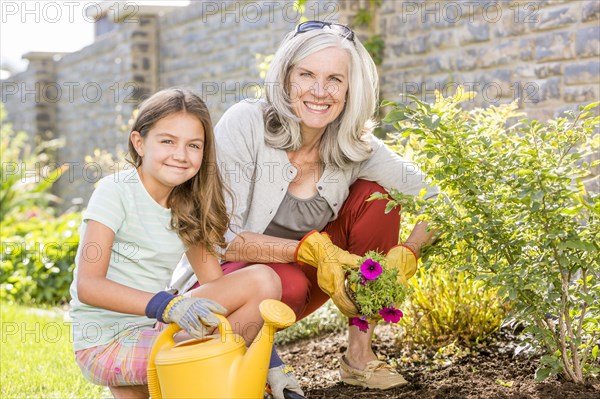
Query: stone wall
x,y
215,48
108,80
545,54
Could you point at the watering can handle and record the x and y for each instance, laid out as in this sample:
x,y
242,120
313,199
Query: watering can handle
x,y
165,339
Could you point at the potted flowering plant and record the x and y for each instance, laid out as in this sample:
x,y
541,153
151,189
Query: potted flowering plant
x,y
375,290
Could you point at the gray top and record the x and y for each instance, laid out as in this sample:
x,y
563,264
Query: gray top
x,y
259,175
296,217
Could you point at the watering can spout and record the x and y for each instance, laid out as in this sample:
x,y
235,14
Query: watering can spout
x,y
255,362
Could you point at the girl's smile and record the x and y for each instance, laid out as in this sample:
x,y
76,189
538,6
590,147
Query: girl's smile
x,y
171,153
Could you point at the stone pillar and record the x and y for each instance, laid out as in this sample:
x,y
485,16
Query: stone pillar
x,y
41,87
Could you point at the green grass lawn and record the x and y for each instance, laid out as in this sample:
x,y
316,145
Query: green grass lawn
x,y
36,359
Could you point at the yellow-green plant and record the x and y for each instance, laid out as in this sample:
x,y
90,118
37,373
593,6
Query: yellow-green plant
x,y
27,172
519,217
447,307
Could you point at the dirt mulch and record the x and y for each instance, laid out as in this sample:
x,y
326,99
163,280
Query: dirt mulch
x,y
490,371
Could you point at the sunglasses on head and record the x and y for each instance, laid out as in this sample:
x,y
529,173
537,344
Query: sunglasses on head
x,y
343,30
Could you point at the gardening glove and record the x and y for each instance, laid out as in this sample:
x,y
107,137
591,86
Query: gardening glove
x,y
330,260
404,259
281,378
194,315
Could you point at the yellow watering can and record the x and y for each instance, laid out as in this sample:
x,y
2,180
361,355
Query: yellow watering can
x,y
218,366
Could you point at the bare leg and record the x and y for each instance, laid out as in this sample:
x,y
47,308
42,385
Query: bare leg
x,y
130,392
359,351
240,293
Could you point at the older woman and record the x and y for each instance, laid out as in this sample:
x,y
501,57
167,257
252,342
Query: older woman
x,y
305,159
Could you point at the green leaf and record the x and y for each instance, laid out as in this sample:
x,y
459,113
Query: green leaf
x,y
591,106
395,116
542,373
390,206
583,246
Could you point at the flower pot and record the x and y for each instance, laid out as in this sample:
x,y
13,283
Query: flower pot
x,y
350,292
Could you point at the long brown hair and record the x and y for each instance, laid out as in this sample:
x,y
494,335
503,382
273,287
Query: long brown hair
x,y
199,214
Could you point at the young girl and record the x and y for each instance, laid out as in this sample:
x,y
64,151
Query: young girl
x,y
137,226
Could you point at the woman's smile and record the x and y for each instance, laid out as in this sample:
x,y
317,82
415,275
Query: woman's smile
x,y
318,87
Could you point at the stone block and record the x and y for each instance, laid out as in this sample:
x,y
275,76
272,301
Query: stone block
x,y
546,70
590,11
439,63
443,39
508,25
550,89
541,114
417,45
527,71
580,94
587,42
496,84
467,60
582,73
555,18
401,26
474,32
506,52
554,46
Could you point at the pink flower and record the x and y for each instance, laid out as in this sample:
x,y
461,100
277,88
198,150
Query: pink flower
x,y
370,269
391,314
360,322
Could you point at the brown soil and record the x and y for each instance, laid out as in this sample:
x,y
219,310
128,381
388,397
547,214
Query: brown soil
x,y
490,371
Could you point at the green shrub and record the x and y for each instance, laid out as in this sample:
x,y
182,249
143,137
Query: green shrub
x,y
519,217
38,257
37,248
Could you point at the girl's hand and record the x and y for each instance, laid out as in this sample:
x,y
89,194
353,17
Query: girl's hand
x,y
194,315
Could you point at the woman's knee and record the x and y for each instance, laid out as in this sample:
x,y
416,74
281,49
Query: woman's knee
x,y
264,281
295,286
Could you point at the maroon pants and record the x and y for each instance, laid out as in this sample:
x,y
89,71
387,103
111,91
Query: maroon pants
x,y
360,227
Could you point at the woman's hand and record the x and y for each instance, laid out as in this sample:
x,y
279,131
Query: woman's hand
x,y
316,249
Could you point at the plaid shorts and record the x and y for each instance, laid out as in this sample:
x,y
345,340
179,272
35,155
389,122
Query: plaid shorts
x,y
121,362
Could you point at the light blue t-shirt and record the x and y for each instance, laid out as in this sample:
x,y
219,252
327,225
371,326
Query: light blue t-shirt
x,y
144,254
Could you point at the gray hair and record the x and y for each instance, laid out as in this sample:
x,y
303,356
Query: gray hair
x,y
344,141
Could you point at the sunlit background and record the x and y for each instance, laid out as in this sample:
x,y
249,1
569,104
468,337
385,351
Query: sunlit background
x,y
48,26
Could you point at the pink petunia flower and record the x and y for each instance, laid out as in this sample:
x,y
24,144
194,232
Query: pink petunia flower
x,y
391,314
371,269
360,322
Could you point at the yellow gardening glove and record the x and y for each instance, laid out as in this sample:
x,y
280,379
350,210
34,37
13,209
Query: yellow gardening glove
x,y
404,259
317,250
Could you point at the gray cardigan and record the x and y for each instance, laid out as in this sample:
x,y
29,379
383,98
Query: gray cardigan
x,y
259,175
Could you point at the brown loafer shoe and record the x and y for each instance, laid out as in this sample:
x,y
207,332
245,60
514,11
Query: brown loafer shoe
x,y
377,375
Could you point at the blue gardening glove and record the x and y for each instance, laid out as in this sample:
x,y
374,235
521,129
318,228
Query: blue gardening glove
x,y
280,378
193,315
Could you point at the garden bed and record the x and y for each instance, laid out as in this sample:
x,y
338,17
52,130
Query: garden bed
x,y
492,370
